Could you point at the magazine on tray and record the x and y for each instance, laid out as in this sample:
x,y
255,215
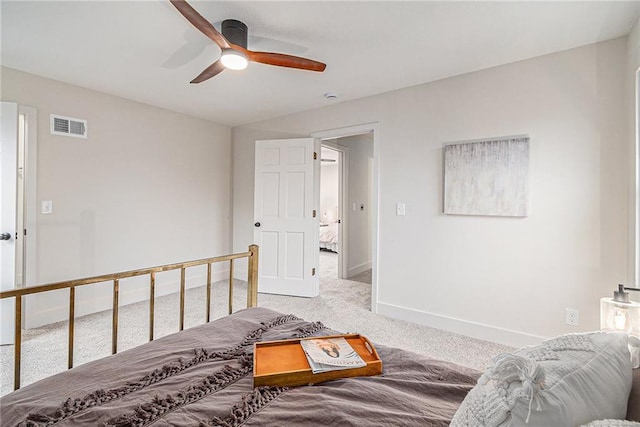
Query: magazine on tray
x,y
330,354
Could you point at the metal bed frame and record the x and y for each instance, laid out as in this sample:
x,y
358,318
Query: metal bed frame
x,y
18,294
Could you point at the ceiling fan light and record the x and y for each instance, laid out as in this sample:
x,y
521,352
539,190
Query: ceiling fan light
x,y
233,59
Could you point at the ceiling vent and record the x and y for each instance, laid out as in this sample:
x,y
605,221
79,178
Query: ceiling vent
x,y
68,126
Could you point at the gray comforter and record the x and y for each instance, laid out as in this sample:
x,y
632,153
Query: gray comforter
x,y
203,377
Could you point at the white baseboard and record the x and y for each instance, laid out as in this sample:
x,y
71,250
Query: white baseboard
x,y
361,268
459,326
58,310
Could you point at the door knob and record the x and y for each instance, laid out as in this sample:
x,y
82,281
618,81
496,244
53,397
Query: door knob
x,y
5,236
257,224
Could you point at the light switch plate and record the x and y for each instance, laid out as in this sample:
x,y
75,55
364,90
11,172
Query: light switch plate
x,y
400,209
47,206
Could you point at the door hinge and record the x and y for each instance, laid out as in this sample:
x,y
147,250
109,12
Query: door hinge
x,y
315,156
313,271
314,213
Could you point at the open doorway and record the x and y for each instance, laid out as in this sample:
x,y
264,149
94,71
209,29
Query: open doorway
x,y
335,136
26,201
14,177
18,214
346,214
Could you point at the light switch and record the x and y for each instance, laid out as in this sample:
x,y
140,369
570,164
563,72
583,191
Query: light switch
x,y
400,210
47,206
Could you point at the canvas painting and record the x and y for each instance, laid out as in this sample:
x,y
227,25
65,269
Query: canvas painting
x,y
487,177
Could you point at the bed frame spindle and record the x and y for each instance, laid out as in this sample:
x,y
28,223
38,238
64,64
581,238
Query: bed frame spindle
x,y
72,319
252,279
208,292
18,344
230,286
182,289
114,319
152,303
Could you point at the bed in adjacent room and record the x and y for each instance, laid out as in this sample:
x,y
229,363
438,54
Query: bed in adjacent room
x,y
328,235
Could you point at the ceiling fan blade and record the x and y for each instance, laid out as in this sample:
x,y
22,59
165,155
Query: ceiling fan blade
x,y
266,43
282,60
200,22
210,71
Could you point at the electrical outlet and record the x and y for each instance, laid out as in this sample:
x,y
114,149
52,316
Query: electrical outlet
x,y
571,316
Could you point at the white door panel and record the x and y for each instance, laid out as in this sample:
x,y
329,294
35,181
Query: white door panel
x,y
286,197
269,254
295,251
8,169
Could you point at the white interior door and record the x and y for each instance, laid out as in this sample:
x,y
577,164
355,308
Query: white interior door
x,y
286,199
8,169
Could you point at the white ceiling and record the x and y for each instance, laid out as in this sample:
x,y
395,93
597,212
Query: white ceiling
x,y
146,51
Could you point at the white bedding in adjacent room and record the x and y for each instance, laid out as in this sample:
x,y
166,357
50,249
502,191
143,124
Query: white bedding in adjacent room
x,y
329,236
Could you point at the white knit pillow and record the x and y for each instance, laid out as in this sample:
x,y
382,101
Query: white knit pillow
x,y
569,380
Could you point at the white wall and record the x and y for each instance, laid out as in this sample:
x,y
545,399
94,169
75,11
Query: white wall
x,y
504,279
359,222
147,187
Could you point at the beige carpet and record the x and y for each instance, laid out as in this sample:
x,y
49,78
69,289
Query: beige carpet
x,y
343,305
329,268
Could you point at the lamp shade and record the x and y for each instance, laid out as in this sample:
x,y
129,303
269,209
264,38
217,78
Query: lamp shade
x,y
619,314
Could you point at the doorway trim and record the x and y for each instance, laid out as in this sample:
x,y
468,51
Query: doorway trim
x,y
635,274
375,188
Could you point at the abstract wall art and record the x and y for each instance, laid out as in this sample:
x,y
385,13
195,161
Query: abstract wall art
x,y
487,177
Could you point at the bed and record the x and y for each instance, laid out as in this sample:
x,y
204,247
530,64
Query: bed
x,y
202,376
329,236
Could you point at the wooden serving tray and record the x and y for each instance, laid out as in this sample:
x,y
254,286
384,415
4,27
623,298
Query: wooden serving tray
x,y
284,364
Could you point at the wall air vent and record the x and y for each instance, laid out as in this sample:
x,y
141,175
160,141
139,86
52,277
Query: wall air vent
x,y
68,126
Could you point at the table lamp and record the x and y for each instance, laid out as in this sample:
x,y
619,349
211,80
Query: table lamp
x,y
620,314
